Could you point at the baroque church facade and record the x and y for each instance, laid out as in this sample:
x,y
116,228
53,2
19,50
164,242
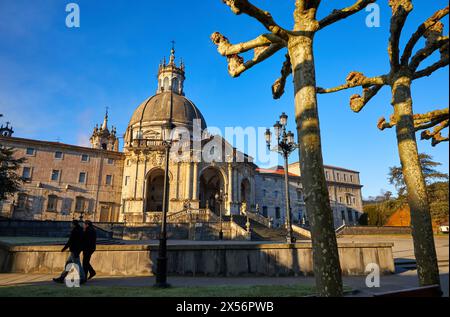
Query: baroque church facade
x,y
105,184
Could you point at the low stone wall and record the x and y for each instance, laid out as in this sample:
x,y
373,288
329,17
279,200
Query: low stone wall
x,y
243,259
35,228
368,230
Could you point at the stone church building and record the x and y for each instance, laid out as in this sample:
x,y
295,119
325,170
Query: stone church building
x,y
108,185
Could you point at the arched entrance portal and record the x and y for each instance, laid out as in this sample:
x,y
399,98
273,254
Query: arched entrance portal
x,y
155,191
245,191
211,182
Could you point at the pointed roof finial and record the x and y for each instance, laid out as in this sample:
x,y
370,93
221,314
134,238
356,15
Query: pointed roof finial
x,y
105,121
172,53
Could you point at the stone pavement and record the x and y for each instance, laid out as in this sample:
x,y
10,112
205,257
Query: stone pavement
x,y
403,245
401,280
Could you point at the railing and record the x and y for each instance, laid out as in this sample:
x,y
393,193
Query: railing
x,y
183,216
259,218
301,231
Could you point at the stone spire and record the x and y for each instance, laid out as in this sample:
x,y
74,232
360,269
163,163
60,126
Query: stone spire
x,y
103,139
6,131
105,121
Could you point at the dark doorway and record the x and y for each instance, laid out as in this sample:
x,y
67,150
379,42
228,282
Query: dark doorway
x,y
155,191
211,182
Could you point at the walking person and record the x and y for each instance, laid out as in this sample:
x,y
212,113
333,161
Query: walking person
x,y
74,244
89,247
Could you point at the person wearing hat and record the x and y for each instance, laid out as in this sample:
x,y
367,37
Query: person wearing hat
x,y
89,247
74,244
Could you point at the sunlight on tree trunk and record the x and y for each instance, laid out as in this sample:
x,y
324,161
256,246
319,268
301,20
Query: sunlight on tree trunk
x,y
421,225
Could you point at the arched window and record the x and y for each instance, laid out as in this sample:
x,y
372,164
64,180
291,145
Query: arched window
x,y
175,84
166,84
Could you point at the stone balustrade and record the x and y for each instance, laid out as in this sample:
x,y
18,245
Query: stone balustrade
x,y
203,259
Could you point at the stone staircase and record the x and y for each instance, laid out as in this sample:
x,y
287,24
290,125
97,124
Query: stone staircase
x,y
263,233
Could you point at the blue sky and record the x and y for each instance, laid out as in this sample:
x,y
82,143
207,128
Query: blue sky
x,y
55,82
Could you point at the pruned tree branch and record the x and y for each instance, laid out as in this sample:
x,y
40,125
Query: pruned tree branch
x,y
400,12
341,14
422,54
430,22
225,48
357,102
280,83
266,19
356,79
371,86
432,68
237,65
438,138
421,121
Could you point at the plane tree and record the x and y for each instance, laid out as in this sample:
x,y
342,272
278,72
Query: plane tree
x,y
299,61
404,69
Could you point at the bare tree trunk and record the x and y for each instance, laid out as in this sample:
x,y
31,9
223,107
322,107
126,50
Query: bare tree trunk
x,y
422,229
327,268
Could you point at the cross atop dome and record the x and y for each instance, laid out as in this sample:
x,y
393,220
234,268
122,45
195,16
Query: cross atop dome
x,y
170,76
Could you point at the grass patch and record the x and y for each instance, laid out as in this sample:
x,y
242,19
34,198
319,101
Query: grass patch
x,y
212,291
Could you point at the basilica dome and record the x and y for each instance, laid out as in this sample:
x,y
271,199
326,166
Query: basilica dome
x,y
156,110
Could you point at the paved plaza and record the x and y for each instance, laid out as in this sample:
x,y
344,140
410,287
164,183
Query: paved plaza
x,y
405,277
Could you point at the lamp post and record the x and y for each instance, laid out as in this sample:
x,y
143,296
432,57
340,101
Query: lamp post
x,y
167,141
220,197
285,145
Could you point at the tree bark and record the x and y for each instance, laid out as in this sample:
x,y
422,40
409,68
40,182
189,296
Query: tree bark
x,y
422,229
327,268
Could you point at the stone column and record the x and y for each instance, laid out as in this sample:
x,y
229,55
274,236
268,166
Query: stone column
x,y
230,188
195,182
187,193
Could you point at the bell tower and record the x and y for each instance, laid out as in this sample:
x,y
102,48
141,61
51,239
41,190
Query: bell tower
x,y
6,131
103,139
170,76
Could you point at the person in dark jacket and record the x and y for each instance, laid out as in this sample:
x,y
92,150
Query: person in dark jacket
x,y
89,247
75,246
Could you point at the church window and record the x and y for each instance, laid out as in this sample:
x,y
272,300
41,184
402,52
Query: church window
x,y
212,151
351,178
58,155
104,146
345,177
175,84
166,84
80,203
26,173
265,214
82,178
22,201
30,151
350,215
84,158
55,175
277,213
52,202
110,161
349,200
109,180
127,180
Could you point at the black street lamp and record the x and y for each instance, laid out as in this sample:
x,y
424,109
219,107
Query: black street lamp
x,y
220,197
285,146
167,142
